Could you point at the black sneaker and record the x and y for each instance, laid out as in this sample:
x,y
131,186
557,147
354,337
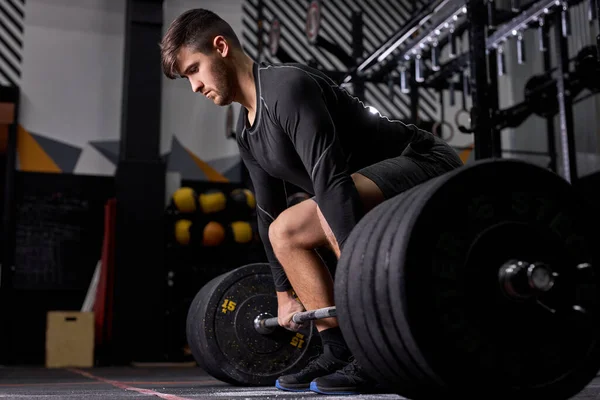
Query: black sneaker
x,y
322,365
350,380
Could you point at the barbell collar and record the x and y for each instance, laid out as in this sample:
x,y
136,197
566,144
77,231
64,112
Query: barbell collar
x,y
522,280
263,323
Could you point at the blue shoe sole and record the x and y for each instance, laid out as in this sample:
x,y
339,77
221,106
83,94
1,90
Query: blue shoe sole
x,y
278,386
314,388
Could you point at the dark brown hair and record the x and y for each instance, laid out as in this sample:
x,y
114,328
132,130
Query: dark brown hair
x,y
196,29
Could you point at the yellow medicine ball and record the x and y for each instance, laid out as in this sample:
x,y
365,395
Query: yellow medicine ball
x,y
182,231
212,201
184,200
241,232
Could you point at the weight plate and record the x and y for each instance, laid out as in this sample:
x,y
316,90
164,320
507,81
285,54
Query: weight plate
x,y
587,186
409,350
223,339
389,302
372,301
345,296
361,286
196,311
451,248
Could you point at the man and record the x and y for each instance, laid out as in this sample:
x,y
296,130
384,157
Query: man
x,y
298,127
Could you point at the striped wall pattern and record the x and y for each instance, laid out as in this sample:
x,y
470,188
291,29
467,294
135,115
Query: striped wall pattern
x,y
381,19
12,16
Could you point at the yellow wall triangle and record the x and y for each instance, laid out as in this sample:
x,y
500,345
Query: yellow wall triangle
x,y
32,157
465,154
210,172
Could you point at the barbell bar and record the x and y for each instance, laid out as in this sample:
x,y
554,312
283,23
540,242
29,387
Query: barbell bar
x,y
265,323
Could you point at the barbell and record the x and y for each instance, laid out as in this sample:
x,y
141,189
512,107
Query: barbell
x,y
485,277
266,323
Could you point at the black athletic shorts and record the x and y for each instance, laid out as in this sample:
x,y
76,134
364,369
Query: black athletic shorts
x,y
418,163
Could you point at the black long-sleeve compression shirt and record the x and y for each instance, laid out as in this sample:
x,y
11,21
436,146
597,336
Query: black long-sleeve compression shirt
x,y
313,134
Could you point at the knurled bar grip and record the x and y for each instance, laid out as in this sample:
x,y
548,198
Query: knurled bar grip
x,y
304,316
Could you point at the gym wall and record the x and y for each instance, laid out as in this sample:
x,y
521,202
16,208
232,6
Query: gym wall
x,y
71,75
71,86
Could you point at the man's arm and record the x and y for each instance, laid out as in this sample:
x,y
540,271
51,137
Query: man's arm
x,y
270,201
303,114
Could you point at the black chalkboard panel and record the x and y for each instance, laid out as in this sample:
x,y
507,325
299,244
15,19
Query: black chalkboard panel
x,y
59,228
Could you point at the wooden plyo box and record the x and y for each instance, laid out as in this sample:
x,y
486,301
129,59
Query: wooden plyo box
x,y
69,339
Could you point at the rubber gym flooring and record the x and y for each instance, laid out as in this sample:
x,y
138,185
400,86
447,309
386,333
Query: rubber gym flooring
x,y
153,383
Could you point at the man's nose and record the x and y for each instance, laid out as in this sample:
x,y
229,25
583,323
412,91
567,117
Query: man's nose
x,y
197,86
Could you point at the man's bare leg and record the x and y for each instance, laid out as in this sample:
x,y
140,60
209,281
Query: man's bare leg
x,y
294,236
297,232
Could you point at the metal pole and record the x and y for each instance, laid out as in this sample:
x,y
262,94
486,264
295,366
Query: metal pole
x,y
8,235
598,37
8,217
565,103
357,50
140,194
493,96
550,128
414,94
480,112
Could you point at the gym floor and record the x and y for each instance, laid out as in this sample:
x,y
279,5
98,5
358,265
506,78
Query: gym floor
x,y
151,383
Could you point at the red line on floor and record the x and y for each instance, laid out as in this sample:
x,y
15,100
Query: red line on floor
x,y
123,386
2,385
196,382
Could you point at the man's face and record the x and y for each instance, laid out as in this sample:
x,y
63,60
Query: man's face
x,y
209,74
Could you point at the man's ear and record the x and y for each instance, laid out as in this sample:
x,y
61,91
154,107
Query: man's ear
x,y
220,44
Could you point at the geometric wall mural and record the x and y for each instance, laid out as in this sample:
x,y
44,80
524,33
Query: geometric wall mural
x,y
190,166
64,155
109,149
467,155
37,153
183,160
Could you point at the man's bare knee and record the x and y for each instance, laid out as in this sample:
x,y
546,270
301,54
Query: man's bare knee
x,y
298,226
281,233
